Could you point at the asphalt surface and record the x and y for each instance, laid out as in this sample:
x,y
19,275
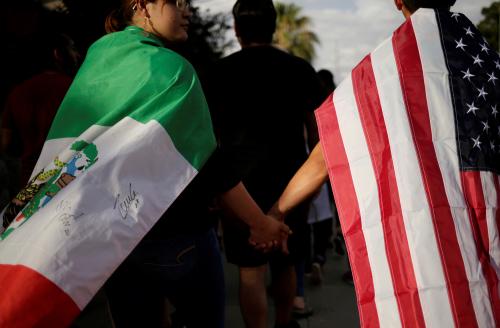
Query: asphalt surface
x,y
333,302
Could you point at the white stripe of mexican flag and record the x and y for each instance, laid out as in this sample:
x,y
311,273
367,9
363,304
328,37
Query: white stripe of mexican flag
x,y
79,238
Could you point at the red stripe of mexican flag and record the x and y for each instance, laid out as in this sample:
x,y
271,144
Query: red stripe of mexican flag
x,y
49,306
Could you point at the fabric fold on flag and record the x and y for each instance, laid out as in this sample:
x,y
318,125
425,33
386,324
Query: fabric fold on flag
x,y
412,144
132,132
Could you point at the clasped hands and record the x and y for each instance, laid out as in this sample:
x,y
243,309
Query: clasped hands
x,y
270,232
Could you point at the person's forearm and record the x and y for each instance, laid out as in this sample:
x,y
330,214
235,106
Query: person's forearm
x,y
305,183
265,232
241,204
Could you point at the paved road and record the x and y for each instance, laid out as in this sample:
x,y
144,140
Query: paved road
x,y
333,302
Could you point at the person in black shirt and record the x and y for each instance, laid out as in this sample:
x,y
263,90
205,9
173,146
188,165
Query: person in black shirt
x,y
261,99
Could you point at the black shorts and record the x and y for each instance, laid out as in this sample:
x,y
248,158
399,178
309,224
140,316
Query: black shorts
x,y
241,253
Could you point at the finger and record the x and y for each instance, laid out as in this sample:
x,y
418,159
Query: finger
x,y
285,228
261,246
265,248
256,244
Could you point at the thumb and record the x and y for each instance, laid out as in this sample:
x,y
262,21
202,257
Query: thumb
x,y
285,230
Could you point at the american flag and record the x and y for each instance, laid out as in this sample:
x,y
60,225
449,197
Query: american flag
x,y
412,144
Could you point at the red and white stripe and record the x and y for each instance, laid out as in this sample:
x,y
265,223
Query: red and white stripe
x,y
422,237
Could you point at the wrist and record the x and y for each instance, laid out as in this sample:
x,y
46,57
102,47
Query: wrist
x,y
277,212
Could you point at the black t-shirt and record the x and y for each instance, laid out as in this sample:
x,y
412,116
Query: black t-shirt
x,y
259,98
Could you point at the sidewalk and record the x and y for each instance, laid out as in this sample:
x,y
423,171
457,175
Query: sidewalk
x,y
334,302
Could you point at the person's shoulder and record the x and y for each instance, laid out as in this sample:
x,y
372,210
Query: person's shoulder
x,y
227,66
293,60
284,58
231,59
50,77
29,86
172,57
134,46
253,54
169,66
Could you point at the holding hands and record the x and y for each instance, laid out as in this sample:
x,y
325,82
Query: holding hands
x,y
266,232
269,233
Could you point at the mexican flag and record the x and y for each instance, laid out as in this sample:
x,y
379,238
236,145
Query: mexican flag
x,y
132,132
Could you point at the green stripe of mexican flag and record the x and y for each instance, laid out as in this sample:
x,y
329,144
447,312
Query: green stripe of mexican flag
x,y
130,135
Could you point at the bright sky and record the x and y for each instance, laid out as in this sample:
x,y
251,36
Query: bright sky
x,y
350,29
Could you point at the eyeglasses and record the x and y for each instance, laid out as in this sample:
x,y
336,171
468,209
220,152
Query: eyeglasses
x,y
180,4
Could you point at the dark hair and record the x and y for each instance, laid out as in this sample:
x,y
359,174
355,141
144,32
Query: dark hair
x,y
414,5
326,78
255,20
121,17
49,42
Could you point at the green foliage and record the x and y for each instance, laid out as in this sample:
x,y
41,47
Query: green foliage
x,y
293,31
207,40
490,23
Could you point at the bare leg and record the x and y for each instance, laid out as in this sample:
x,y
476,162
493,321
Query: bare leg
x,y
253,298
284,283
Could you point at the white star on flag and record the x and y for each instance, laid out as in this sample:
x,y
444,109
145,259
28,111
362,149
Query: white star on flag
x,y
492,77
484,48
468,31
472,108
467,75
478,60
477,142
497,64
486,126
482,93
494,111
460,44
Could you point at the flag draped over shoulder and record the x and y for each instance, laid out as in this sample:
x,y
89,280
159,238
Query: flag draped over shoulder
x,y
412,144
132,132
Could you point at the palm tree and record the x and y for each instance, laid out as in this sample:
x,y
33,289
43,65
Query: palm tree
x,y
489,26
293,33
